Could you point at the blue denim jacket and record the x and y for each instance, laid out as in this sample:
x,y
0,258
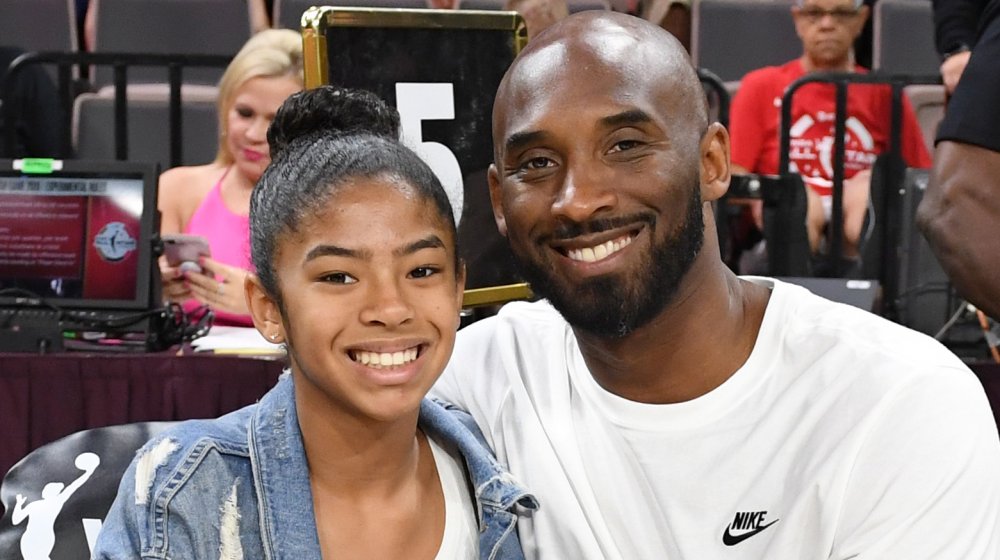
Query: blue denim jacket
x,y
238,487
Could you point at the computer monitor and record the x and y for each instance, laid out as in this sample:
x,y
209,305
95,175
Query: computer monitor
x,y
78,236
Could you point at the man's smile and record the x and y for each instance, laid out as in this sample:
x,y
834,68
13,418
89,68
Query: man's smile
x,y
600,251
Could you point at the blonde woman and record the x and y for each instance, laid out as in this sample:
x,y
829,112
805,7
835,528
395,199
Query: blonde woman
x,y
213,200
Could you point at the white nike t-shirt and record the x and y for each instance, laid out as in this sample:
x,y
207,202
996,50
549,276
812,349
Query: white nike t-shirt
x,y
461,535
842,436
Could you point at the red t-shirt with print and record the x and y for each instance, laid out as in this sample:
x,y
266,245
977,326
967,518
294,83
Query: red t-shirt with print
x,y
755,121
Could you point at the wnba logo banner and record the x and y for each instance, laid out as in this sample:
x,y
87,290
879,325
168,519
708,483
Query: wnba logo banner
x,y
56,498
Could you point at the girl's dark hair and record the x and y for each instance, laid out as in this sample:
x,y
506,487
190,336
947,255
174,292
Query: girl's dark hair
x,y
320,139
329,110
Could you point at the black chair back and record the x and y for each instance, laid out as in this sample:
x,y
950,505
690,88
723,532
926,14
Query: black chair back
x,y
57,496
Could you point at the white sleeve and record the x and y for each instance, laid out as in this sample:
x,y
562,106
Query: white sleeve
x,y
926,483
474,379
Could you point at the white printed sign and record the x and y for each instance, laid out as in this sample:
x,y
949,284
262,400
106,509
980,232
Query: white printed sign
x,y
417,102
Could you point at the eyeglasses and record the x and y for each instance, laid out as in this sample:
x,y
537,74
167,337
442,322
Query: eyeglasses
x,y
839,15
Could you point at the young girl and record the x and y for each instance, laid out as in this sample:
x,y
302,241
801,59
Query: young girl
x,y
353,241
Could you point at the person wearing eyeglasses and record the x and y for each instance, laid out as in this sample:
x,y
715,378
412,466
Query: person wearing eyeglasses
x,y
828,29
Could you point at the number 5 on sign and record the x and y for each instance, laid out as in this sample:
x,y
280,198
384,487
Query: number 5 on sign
x,y
428,102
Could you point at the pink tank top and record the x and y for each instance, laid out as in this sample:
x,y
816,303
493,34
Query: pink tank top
x,y
228,236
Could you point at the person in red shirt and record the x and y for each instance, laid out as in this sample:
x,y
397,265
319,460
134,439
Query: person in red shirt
x,y
828,29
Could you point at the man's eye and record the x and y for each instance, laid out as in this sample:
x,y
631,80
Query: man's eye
x,y
423,272
339,278
535,164
625,145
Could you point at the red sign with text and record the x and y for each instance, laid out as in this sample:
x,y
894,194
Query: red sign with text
x,y
41,236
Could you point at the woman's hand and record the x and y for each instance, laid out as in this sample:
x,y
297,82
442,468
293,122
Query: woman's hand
x,y
175,287
219,286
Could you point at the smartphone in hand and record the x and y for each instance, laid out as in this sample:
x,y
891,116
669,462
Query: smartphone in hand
x,y
183,250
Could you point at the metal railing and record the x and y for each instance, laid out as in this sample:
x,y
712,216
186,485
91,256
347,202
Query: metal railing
x,y
718,88
120,62
886,204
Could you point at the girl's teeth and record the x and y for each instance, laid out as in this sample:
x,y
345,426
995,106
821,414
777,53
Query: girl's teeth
x,y
385,359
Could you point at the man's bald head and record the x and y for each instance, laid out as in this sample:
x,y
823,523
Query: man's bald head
x,y
604,165
631,52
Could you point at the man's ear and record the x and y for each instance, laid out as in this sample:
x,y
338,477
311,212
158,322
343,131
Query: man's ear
x,y
496,199
264,310
798,22
859,22
715,167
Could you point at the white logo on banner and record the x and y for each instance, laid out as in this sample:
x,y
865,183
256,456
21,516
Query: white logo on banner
x,y
39,536
428,102
114,243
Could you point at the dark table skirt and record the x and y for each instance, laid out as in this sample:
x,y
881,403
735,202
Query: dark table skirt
x,y
43,398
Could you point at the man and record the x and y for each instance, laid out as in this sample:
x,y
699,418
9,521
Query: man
x,y
960,212
670,409
828,29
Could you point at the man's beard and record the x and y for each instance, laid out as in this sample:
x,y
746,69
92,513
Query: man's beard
x,y
616,305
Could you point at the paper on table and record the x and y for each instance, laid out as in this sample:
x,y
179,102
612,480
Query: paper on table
x,y
235,340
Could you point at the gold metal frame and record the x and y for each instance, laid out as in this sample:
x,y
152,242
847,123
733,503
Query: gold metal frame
x,y
317,19
496,295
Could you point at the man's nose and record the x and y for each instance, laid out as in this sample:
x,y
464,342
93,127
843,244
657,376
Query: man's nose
x,y
586,191
827,19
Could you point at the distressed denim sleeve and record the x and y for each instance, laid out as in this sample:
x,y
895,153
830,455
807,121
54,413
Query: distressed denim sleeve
x,y
127,532
120,533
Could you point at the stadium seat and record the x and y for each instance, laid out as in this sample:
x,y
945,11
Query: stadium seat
x,y
481,4
733,37
39,25
928,104
903,38
573,5
923,296
584,5
57,497
288,13
148,129
217,27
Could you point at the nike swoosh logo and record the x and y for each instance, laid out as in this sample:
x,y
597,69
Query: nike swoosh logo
x,y
731,540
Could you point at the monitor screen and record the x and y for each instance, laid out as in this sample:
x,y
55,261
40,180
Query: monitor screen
x,y
78,235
